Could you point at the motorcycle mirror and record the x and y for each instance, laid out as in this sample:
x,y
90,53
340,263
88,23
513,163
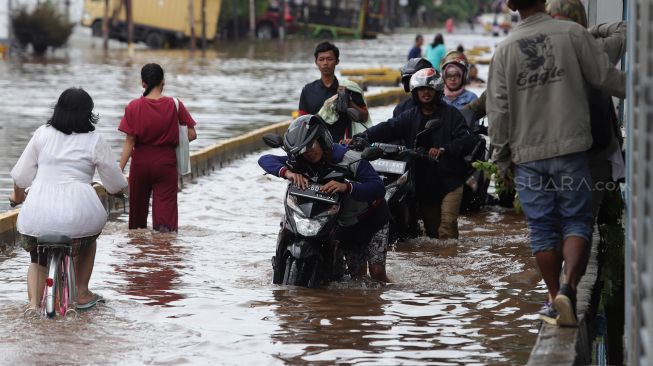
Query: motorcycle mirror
x,y
372,153
273,140
469,116
432,123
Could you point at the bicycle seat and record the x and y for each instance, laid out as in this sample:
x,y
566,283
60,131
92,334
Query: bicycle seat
x,y
53,239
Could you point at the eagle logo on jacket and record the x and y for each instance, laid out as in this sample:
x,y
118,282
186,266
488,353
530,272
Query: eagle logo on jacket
x,y
539,66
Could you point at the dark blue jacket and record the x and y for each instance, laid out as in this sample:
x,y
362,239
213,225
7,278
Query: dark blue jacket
x,y
404,105
367,186
433,180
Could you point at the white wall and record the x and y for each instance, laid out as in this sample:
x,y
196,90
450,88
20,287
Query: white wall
x,y
604,11
4,20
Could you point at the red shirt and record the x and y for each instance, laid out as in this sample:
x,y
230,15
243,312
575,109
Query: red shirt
x,y
154,121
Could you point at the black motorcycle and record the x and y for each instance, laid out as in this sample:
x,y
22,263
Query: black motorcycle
x,y
396,170
307,255
476,185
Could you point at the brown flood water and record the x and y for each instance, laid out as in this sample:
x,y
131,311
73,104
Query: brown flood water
x,y
204,296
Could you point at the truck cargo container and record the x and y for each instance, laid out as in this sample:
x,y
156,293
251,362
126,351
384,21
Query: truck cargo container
x,y
157,23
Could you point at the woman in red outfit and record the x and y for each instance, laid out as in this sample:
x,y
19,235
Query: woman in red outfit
x,y
151,125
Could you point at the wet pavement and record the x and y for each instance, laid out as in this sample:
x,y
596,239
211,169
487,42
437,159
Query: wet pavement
x,y
204,296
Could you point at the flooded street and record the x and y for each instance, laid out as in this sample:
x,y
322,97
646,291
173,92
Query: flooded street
x,y
234,89
204,296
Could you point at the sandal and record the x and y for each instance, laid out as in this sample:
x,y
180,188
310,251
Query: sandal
x,y
94,301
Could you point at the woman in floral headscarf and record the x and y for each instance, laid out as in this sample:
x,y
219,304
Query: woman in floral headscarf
x,y
455,69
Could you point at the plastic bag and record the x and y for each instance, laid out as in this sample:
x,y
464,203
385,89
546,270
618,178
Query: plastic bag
x,y
183,148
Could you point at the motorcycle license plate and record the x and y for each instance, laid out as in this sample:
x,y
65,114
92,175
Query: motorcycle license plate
x,y
313,192
389,166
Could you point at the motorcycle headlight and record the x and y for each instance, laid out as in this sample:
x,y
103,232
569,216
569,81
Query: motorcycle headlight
x,y
291,201
309,227
334,209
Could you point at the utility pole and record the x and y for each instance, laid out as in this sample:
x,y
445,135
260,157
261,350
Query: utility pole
x,y
130,28
105,26
191,16
203,25
10,32
67,3
305,15
282,20
252,18
234,14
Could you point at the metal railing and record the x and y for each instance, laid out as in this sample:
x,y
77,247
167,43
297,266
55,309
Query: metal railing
x,y
639,192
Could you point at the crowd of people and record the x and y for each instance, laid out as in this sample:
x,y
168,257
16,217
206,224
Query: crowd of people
x,y
551,124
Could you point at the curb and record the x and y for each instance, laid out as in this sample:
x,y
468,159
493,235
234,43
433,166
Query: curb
x,y
571,346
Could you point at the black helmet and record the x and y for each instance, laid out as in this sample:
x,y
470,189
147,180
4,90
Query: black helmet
x,y
303,131
427,78
412,66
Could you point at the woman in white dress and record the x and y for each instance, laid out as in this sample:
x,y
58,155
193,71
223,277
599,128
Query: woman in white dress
x,y
58,165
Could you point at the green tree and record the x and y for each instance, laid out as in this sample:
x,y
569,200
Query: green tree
x,y
42,28
456,9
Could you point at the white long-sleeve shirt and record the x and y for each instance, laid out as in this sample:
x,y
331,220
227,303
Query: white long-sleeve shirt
x,y
59,169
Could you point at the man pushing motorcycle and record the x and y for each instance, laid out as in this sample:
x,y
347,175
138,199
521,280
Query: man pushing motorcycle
x,y
310,148
442,132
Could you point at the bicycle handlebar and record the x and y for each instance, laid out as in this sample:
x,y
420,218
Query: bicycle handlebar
x,y
119,195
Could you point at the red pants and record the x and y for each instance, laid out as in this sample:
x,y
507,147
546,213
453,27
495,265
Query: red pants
x,y
153,170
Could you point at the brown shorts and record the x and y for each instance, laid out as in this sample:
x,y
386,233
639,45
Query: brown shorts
x,y
29,243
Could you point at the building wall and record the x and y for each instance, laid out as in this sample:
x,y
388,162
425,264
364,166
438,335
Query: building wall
x,y
4,20
639,192
604,11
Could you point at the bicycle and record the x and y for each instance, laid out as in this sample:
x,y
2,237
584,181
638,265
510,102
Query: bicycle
x,y
60,289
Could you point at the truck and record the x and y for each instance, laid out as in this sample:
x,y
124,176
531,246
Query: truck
x,y
325,19
157,23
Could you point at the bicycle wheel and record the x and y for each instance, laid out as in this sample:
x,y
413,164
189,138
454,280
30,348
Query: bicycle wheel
x,y
63,290
53,283
71,285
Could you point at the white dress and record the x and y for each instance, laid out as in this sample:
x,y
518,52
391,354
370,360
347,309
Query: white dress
x,y
59,169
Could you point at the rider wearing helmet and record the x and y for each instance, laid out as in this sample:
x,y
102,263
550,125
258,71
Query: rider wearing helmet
x,y
438,181
455,70
412,66
310,147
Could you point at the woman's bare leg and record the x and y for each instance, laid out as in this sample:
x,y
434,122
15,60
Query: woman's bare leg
x,y
35,282
83,269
